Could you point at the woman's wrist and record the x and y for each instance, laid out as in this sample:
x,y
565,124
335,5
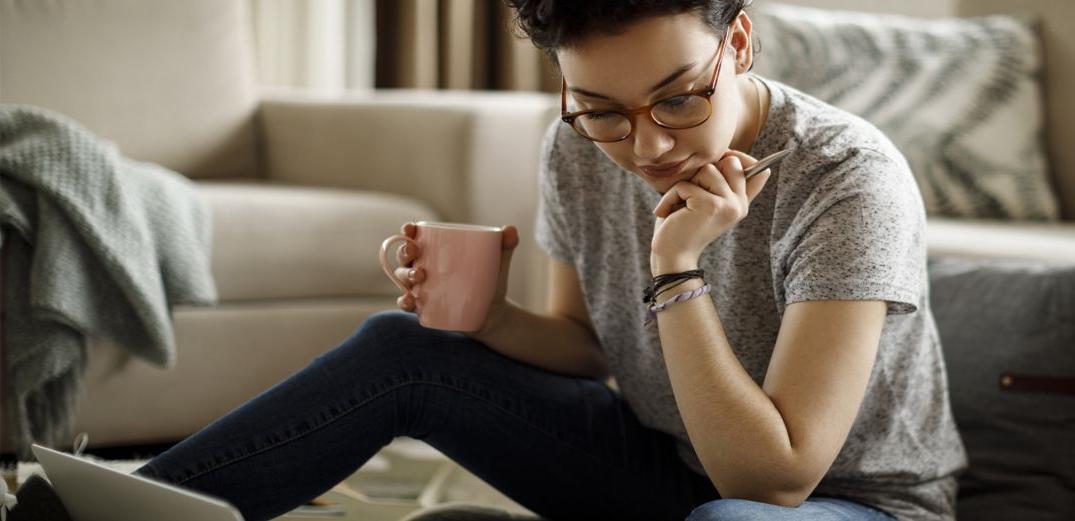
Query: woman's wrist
x,y
662,266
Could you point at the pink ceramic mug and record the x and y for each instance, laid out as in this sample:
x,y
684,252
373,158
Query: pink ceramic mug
x,y
462,266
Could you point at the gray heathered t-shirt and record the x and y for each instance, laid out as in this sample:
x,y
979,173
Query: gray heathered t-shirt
x,y
841,219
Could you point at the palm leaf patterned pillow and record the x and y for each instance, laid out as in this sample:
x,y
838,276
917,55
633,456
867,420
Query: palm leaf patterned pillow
x,y
960,97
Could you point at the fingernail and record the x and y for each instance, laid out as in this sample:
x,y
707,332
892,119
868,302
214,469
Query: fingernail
x,y
410,275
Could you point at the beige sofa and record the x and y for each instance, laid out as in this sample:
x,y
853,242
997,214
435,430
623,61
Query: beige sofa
x,y
303,186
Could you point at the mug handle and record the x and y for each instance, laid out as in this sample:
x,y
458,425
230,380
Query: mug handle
x,y
388,270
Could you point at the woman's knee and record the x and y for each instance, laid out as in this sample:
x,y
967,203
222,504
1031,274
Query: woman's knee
x,y
399,335
376,339
388,325
395,343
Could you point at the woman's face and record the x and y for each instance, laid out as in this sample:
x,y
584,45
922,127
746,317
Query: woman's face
x,y
621,71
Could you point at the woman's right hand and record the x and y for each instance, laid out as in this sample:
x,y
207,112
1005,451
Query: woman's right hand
x,y
410,276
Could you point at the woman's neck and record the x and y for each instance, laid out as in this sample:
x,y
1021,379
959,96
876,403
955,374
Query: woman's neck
x,y
750,120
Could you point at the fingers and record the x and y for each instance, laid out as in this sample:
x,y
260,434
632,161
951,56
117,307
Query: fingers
x,y
731,166
746,159
708,179
681,194
409,277
511,237
406,253
510,241
713,181
724,179
670,201
507,248
406,302
756,183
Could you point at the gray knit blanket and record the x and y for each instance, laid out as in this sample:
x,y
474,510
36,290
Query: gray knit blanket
x,y
95,245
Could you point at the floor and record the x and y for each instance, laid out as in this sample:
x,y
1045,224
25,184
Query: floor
x,y
404,477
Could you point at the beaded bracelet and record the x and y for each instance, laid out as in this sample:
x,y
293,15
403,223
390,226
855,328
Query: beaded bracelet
x,y
651,311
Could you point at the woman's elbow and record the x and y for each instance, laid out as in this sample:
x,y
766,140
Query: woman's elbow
x,y
780,499
782,493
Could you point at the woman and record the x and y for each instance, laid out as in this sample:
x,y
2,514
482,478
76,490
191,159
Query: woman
x,y
797,376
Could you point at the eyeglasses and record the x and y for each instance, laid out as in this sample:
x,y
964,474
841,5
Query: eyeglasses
x,y
685,110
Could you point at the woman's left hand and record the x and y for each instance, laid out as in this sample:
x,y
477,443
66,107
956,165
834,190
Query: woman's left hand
x,y
694,213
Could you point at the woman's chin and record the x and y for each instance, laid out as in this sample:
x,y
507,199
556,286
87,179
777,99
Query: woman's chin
x,y
663,184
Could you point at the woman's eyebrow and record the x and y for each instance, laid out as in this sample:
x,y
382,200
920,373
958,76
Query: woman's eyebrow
x,y
669,79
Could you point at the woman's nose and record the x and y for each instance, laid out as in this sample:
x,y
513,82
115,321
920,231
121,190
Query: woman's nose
x,y
651,141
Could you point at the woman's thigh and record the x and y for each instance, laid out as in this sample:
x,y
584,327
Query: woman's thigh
x,y
815,508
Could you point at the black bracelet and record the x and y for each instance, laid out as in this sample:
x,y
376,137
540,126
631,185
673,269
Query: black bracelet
x,y
670,278
664,282
669,287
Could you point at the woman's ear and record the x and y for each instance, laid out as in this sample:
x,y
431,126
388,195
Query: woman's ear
x,y
742,32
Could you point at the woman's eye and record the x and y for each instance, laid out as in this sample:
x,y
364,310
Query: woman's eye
x,y
674,102
599,115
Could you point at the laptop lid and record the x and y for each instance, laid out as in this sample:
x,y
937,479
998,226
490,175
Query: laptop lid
x,y
93,492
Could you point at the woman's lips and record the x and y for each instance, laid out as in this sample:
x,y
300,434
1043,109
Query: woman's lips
x,y
665,170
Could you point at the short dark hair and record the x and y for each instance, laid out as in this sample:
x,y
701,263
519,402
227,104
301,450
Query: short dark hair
x,y
557,24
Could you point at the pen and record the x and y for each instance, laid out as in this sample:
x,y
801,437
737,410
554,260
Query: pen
x,y
766,162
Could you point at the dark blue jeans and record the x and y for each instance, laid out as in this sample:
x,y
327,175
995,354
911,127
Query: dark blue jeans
x,y
567,448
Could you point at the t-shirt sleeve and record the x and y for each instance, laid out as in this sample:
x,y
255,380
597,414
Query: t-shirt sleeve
x,y
550,229
864,239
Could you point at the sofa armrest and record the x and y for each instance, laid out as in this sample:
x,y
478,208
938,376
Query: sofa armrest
x,y
471,156
1052,242
439,147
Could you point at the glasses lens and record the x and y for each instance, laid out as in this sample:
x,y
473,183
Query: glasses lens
x,y
603,126
682,111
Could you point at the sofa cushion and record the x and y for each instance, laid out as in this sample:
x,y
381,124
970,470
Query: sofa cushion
x,y
281,242
960,97
1008,335
170,82
225,355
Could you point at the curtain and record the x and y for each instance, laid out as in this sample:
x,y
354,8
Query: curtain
x,y
455,44
323,44
426,44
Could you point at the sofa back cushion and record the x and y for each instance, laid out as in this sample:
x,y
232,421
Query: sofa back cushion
x,y
170,82
1008,333
1058,43
960,97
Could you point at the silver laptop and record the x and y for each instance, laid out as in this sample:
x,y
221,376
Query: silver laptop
x,y
93,492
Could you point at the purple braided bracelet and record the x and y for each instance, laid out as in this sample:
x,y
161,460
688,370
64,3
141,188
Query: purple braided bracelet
x,y
651,311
